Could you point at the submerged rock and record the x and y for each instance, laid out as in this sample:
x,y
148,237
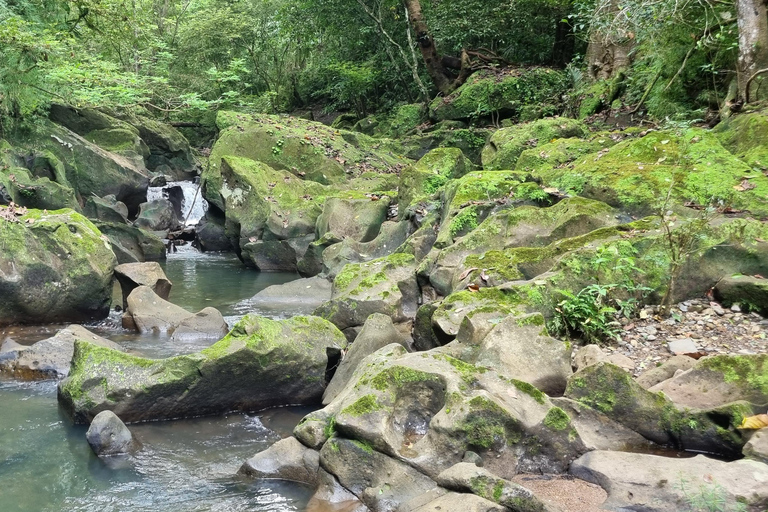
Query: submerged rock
x,y
108,435
49,358
54,267
297,297
261,363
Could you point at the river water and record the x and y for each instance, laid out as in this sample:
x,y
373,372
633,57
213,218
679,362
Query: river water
x,y
187,465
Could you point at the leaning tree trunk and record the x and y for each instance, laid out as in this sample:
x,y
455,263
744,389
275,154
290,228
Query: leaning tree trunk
x,y
440,76
752,16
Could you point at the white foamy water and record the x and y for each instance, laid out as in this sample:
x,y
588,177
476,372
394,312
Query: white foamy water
x,y
193,206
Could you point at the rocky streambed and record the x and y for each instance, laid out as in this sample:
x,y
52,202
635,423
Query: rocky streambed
x,y
444,302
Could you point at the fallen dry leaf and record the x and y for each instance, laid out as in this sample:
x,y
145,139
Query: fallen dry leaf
x,y
744,186
754,422
473,288
467,272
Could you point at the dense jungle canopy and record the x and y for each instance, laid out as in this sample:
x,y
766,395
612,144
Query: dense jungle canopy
x,y
184,59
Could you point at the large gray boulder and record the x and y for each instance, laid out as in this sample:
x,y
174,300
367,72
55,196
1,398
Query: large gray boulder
x,y
152,314
108,435
49,358
287,459
519,347
358,219
133,275
614,393
131,244
261,363
750,292
378,332
157,215
385,285
664,484
718,380
54,267
106,209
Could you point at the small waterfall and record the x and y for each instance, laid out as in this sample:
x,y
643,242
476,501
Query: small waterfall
x,y
191,205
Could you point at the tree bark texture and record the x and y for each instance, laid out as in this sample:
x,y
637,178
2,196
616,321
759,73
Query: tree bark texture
x,y
607,55
442,79
752,18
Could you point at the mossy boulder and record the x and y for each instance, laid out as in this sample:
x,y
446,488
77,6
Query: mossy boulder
x,y
467,477
637,174
613,392
502,93
562,152
106,209
423,179
746,136
446,134
146,142
386,285
304,148
719,380
355,219
506,145
131,244
265,209
261,363
429,408
55,266
750,293
89,169
41,193
469,199
524,228
391,236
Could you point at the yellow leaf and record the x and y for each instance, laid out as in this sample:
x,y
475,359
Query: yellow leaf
x,y
755,422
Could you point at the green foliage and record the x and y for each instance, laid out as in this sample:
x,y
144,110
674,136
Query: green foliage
x,y
586,314
708,498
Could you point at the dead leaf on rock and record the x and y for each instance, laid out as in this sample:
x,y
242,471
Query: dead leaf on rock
x,y
466,273
754,422
473,288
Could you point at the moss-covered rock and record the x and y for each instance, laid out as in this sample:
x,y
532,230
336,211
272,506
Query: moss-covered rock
x,y
428,408
131,244
487,93
41,193
506,145
504,241
262,205
612,391
304,148
444,134
746,136
751,293
54,267
423,179
637,174
261,363
468,200
356,219
385,285
467,477
719,380
562,152
89,169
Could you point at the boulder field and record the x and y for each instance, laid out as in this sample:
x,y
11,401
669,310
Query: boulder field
x,y
438,345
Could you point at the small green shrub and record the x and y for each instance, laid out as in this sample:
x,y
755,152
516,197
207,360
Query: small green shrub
x,y
587,314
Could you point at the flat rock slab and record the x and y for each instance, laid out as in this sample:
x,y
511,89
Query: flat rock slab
x,y
299,297
287,459
655,484
682,346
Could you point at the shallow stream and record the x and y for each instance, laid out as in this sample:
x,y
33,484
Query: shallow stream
x,y
188,465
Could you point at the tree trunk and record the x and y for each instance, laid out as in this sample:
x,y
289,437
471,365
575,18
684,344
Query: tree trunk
x,y
607,55
565,44
753,47
444,82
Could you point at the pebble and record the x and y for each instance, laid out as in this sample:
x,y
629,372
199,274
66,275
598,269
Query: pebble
x,y
736,308
719,311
